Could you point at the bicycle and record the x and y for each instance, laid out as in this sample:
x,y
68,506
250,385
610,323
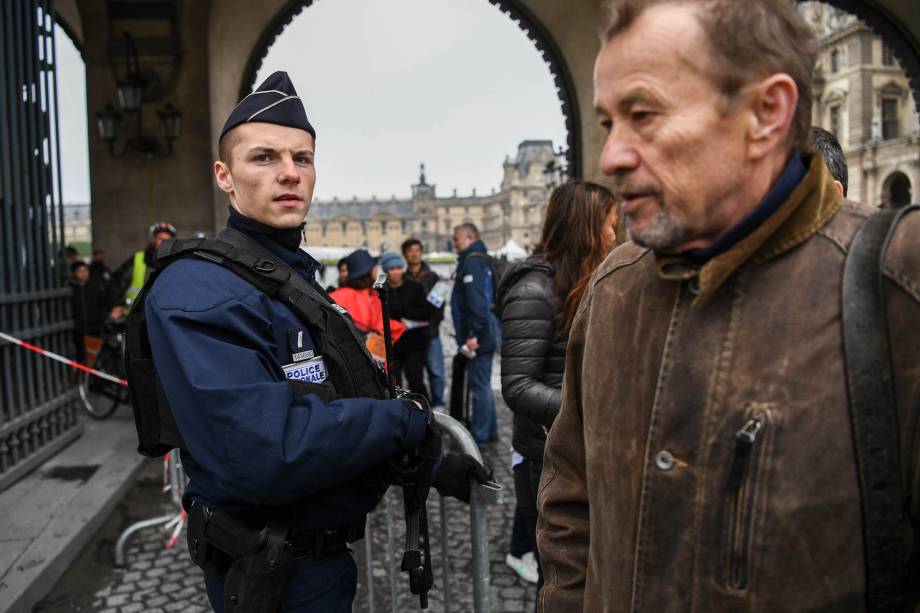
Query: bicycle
x,y
100,397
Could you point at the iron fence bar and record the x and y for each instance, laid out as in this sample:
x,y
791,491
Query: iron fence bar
x,y
59,236
40,378
6,207
12,92
50,204
26,127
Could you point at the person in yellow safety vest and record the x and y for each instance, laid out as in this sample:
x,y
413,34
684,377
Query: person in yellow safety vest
x,y
129,278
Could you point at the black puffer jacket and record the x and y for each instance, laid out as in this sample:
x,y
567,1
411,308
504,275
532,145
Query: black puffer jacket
x,y
533,352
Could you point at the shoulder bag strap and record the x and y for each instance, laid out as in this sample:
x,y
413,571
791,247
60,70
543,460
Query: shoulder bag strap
x,y
873,411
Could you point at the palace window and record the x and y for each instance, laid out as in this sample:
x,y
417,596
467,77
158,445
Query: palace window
x,y
834,119
887,55
890,128
835,61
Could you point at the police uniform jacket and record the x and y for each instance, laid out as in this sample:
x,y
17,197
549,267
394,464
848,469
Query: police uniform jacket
x,y
224,350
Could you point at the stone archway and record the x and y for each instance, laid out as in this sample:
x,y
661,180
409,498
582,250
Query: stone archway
x,y
896,190
514,9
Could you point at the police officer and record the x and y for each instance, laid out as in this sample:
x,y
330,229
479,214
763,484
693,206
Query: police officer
x,y
262,457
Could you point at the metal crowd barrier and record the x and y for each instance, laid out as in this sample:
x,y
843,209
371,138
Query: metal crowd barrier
x,y
481,496
174,481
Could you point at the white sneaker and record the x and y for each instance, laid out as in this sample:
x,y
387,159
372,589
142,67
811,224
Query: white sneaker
x,y
526,571
531,561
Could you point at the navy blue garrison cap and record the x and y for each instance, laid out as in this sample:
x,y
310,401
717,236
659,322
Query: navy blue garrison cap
x,y
275,101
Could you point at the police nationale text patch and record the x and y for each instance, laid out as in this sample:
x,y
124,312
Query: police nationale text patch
x,y
311,371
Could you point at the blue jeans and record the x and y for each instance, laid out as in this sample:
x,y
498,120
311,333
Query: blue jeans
x,y
435,366
484,424
315,586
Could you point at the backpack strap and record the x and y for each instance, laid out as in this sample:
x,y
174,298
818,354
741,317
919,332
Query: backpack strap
x,y
270,274
292,288
873,411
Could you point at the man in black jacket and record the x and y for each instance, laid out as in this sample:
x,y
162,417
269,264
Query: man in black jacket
x,y
419,271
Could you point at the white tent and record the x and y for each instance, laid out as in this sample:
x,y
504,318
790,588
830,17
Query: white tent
x,y
512,251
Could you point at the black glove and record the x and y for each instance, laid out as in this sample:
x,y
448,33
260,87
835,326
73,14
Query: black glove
x,y
453,478
416,466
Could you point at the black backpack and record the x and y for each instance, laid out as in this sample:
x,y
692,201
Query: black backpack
x,y
353,373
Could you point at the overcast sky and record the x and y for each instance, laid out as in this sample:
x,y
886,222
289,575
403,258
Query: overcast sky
x,y
71,77
387,84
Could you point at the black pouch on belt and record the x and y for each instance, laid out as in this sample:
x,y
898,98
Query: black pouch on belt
x,y
210,559
255,582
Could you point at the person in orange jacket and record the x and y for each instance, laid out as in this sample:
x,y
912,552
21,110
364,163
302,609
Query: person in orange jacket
x,y
359,299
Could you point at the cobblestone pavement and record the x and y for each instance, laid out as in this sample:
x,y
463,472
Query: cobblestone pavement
x,y
157,579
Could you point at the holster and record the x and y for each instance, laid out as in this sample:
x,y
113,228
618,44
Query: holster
x,y
254,583
256,562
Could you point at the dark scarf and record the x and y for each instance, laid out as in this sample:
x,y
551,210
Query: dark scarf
x,y
791,176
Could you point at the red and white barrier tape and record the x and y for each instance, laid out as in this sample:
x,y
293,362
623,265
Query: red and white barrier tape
x,y
62,359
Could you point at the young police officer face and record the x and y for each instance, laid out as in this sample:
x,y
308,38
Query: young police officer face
x,y
270,174
674,146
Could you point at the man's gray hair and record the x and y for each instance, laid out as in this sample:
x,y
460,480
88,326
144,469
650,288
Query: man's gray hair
x,y
829,147
468,228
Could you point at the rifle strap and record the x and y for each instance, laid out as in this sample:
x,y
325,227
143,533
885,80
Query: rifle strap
x,y
873,411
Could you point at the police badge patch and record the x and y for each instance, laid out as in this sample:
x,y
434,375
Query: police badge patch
x,y
309,371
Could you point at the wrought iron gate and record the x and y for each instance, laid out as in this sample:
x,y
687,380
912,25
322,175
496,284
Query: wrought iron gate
x,y
38,398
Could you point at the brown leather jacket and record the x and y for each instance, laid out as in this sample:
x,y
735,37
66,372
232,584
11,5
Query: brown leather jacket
x,y
640,508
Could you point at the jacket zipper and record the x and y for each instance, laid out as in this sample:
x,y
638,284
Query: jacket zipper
x,y
742,484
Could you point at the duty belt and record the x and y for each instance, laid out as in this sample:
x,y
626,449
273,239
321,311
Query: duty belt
x,y
238,540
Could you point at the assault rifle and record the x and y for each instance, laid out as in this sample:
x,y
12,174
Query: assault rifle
x,y
417,556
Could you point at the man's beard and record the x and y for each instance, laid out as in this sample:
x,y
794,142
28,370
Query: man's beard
x,y
662,233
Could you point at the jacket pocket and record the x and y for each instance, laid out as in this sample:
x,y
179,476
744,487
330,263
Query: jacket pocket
x,y
745,488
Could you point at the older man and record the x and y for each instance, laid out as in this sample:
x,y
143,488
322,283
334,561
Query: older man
x,y
703,457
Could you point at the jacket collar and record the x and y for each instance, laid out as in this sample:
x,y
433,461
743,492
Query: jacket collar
x,y
808,208
478,245
423,270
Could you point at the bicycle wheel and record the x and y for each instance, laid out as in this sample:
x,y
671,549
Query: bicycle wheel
x,y
100,397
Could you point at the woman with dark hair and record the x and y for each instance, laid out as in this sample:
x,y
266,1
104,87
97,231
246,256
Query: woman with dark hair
x,y
538,298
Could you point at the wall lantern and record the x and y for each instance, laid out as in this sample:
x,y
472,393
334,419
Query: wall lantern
x,y
134,87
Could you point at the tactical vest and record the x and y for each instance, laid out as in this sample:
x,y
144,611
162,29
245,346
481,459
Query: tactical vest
x,y
352,372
